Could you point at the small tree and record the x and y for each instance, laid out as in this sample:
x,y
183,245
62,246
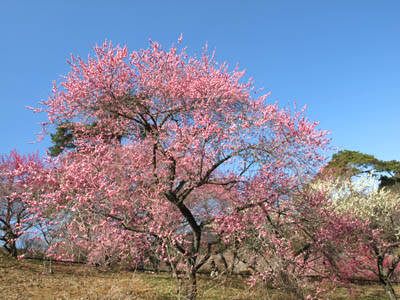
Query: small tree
x,y
188,126
16,219
368,219
296,238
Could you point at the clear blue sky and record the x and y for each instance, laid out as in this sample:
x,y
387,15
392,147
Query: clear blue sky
x,y
341,58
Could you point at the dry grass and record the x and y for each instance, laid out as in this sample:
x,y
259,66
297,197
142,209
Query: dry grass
x,y
24,279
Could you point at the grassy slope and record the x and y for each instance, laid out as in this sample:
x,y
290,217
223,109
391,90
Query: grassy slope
x,y
23,279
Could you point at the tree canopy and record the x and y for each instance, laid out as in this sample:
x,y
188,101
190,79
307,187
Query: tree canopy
x,y
201,152
352,163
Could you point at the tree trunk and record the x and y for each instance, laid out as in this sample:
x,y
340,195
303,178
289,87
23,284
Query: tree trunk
x,y
234,259
10,242
390,291
191,285
172,269
224,262
13,248
385,279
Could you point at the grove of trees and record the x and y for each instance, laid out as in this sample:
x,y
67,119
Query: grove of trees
x,y
164,154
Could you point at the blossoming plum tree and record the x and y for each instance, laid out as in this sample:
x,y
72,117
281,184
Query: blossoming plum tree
x,y
180,147
16,219
378,210
350,229
299,236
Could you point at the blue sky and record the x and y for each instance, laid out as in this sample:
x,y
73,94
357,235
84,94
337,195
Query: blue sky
x,y
341,58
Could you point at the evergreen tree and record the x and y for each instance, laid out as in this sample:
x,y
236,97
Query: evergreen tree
x,y
353,163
